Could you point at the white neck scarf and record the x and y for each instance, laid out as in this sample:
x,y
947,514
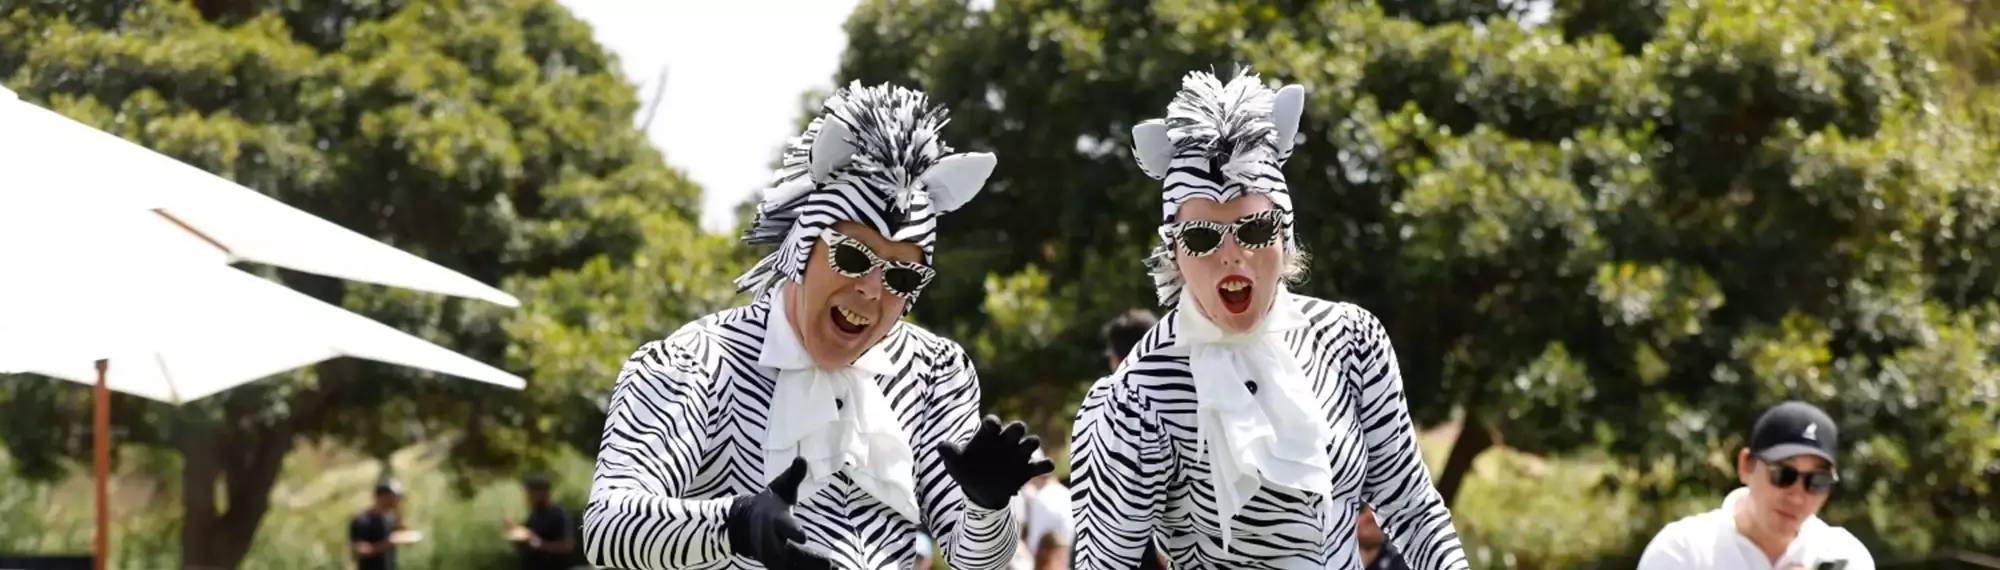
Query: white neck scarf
x,y
1275,432
838,420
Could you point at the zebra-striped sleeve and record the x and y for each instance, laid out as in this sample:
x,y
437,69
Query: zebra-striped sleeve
x,y
636,519
973,538
1397,483
1118,467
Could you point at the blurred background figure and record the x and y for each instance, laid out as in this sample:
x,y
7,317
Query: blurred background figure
x,y
1120,335
370,534
924,550
1376,551
1044,516
547,537
1123,332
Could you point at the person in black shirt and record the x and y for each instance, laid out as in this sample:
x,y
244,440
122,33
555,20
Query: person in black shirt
x,y
547,537
1125,331
1120,335
368,534
1376,551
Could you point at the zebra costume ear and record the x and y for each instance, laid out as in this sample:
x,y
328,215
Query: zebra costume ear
x,y
1285,111
1152,148
831,150
955,179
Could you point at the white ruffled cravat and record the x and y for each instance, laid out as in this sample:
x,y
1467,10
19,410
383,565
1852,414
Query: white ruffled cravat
x,y
1276,431
836,419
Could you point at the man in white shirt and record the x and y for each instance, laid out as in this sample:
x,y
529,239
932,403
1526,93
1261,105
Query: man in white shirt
x,y
1043,513
924,549
1772,522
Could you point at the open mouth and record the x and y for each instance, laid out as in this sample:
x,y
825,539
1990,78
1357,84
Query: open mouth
x,y
1235,292
848,321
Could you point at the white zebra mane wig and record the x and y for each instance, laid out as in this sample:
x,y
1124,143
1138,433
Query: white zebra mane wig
x,y
1218,141
873,156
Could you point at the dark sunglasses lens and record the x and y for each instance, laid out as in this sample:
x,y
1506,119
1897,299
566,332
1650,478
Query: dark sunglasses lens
x,y
1820,483
1258,233
903,280
851,260
1784,475
1200,241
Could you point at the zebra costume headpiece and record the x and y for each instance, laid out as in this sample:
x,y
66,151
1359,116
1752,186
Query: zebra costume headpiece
x,y
874,157
1218,142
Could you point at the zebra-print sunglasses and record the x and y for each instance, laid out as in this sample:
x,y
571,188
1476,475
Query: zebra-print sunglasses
x,y
1197,238
850,258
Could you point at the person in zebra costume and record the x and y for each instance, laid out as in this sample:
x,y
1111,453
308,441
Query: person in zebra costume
x,y
1250,423
814,429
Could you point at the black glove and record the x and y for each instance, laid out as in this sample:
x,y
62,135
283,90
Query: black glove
x,y
761,526
992,467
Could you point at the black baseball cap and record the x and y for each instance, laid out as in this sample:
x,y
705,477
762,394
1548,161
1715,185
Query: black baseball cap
x,y
536,482
389,488
1792,429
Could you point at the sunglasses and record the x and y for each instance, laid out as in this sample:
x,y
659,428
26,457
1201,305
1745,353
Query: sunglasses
x,y
1197,238
1816,482
851,259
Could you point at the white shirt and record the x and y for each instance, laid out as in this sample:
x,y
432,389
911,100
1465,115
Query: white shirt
x,y
811,418
1709,541
1042,512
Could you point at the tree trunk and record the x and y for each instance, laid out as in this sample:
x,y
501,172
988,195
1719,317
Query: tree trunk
x,y
1474,438
195,439
218,536
245,452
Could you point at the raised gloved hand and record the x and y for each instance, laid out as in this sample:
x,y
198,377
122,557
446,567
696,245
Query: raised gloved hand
x,y
761,527
995,463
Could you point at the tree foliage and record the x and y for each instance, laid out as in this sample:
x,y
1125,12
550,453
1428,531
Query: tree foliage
x,y
504,149
1629,229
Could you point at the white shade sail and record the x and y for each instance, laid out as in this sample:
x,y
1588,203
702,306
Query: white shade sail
x,y
50,163
176,333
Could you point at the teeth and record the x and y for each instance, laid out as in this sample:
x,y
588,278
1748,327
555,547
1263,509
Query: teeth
x,y
854,317
1234,285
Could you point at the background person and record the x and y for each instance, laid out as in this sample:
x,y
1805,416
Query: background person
x,y
371,534
1377,552
1120,335
548,535
1772,521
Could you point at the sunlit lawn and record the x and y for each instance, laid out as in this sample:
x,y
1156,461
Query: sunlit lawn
x,y
1515,511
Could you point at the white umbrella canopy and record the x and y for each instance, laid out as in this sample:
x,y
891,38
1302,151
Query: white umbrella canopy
x,y
50,163
112,252
176,333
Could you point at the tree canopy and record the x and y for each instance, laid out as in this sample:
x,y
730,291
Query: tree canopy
x,y
504,149
1628,229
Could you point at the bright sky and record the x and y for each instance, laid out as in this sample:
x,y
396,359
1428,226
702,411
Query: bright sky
x,y
735,70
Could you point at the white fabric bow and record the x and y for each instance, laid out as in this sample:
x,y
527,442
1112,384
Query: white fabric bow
x,y
1276,432
836,419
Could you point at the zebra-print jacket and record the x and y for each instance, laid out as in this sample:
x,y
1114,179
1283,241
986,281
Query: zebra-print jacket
x,y
684,436
1139,474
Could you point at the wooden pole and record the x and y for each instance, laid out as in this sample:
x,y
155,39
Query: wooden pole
x,y
103,444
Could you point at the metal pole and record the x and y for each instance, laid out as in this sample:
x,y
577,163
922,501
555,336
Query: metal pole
x,y
103,444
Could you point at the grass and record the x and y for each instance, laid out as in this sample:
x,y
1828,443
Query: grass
x,y
1519,511
306,528
1515,511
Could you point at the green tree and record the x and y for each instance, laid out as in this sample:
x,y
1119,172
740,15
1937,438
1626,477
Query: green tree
x,y
1627,230
1964,33
491,136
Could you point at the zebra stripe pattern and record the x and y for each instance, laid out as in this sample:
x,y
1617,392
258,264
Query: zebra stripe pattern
x,y
1218,141
684,437
1138,474
893,133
